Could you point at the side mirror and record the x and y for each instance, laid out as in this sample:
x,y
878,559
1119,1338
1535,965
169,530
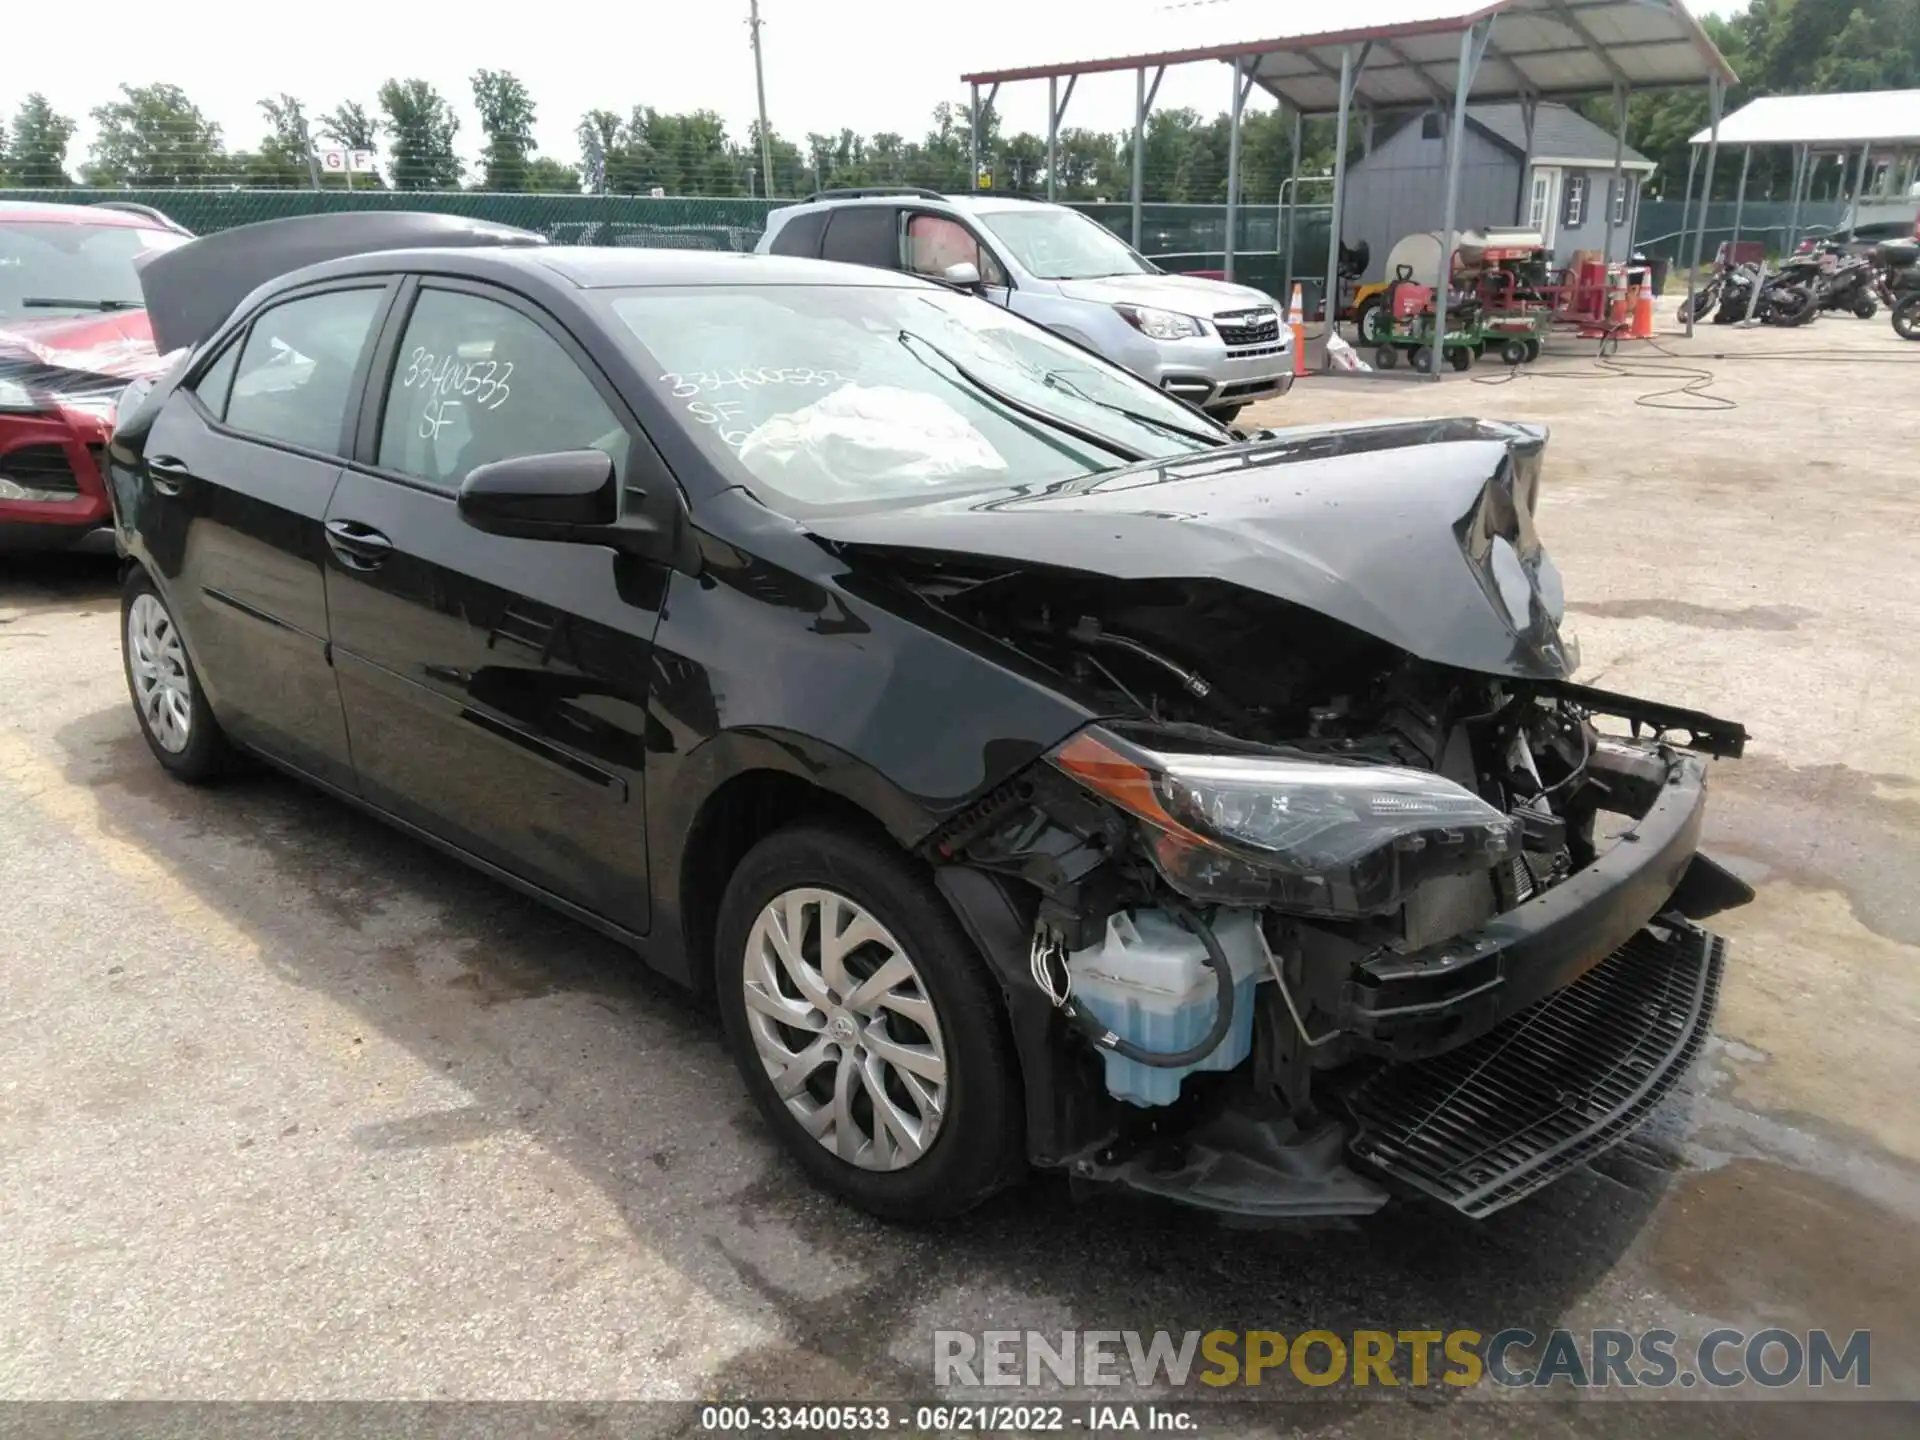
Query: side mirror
x,y
569,495
962,276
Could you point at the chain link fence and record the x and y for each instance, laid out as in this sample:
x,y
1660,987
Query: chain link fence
x,y
680,223
1178,237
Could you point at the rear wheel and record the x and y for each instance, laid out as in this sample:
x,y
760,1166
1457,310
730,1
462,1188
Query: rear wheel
x,y
866,1026
1461,358
1513,352
175,719
1533,351
1865,308
1422,359
1386,357
1794,305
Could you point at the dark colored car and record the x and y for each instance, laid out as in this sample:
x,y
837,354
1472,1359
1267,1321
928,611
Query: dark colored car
x,y
1037,775
72,334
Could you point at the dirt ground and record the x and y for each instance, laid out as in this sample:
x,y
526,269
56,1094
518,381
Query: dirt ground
x,y
293,1107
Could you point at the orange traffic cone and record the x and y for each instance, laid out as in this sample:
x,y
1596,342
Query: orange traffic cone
x,y
1643,310
1297,322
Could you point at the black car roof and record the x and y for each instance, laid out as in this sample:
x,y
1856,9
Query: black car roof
x,y
611,267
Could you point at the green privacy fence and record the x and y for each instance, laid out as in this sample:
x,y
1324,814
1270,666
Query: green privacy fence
x,y
1183,237
679,223
1180,237
1658,230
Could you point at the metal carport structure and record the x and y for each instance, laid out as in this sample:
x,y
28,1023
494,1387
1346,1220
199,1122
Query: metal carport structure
x,y
1837,121
1389,55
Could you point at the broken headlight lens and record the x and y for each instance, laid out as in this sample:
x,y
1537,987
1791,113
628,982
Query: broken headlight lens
x,y
1294,834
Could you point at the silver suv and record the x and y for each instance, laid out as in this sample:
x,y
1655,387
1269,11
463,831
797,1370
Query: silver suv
x,y
1216,345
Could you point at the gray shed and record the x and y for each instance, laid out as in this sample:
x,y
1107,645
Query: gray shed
x,y
1561,190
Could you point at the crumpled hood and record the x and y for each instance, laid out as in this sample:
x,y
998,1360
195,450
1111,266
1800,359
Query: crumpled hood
x,y
1184,294
118,343
1418,533
76,363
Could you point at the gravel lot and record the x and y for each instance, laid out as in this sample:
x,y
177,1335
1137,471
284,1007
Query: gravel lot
x,y
292,1107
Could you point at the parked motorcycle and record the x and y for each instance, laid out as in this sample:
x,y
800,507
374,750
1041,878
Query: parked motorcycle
x,y
1837,279
1784,299
1893,262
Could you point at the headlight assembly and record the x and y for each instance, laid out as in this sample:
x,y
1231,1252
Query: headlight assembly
x,y
1295,834
1161,324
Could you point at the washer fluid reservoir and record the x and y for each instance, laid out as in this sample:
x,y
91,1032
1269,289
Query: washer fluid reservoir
x,y
1149,982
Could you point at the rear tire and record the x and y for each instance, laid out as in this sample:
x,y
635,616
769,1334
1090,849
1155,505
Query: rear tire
x,y
946,1079
1422,359
1385,358
168,701
1460,359
1865,308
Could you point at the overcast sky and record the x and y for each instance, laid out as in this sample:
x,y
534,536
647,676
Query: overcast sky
x,y
869,65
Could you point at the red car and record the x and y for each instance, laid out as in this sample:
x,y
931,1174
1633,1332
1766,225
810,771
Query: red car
x,y
73,333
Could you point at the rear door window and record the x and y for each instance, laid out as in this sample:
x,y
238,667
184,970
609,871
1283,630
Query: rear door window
x,y
863,235
801,235
294,382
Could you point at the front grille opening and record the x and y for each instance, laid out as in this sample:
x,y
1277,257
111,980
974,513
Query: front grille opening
x,y
1569,1077
38,472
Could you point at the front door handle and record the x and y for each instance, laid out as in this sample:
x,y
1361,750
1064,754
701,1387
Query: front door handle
x,y
168,473
357,546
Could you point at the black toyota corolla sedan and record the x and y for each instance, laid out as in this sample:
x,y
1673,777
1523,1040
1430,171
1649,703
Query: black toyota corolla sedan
x,y
1037,774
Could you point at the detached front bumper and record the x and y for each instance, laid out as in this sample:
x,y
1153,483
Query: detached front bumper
x,y
1410,1006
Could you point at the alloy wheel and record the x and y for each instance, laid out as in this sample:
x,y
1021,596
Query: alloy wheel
x,y
161,688
846,1029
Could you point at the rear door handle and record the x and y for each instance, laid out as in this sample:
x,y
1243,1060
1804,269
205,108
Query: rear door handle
x,y
169,473
357,546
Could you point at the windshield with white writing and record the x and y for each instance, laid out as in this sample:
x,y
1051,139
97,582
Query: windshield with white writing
x,y
838,395
1063,244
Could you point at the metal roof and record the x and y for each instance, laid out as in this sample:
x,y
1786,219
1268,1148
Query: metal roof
x,y
1852,116
1559,133
1539,48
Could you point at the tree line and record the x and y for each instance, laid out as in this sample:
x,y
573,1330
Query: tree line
x,y
155,136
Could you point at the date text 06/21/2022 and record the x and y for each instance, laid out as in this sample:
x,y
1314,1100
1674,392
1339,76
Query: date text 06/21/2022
x,y
947,1419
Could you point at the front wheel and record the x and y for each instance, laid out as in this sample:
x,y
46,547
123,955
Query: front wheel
x,y
1865,307
1703,300
866,1026
1906,317
1372,320
168,701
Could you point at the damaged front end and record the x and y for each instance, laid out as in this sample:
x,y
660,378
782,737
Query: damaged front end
x,y
1312,913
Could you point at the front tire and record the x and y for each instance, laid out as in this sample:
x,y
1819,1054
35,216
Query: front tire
x,y
175,719
866,1026
1906,317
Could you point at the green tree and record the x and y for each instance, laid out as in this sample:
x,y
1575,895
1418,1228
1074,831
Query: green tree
x,y
154,136
422,126
506,115
349,126
547,176
37,148
599,135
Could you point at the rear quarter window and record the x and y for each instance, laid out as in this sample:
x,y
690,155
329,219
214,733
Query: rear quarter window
x,y
801,235
863,235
